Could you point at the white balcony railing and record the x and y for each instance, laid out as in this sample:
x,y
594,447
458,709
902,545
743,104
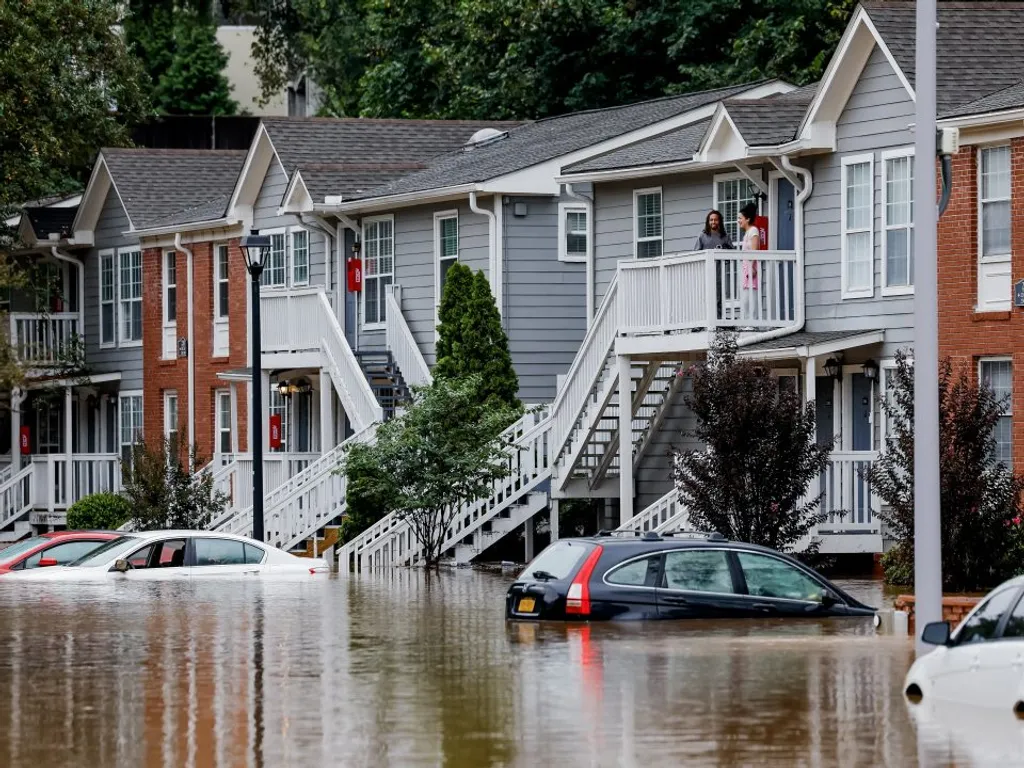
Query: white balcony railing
x,y
402,344
848,500
60,481
290,320
234,477
708,289
44,339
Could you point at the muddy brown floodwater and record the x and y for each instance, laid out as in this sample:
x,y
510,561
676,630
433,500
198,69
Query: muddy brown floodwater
x,y
401,669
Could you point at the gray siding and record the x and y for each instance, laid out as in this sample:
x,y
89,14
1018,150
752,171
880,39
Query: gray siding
x,y
653,477
128,360
265,217
545,303
877,117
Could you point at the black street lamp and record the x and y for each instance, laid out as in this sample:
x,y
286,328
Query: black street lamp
x,y
256,247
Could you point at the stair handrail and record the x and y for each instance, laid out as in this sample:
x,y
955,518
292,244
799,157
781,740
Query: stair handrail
x,y
590,360
360,403
16,495
402,344
649,518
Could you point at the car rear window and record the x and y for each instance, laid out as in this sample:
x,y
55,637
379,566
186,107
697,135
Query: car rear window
x,y
557,562
20,548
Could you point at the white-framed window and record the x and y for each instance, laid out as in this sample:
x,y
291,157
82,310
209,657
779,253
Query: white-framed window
x,y
732,192
170,287
224,421
378,267
996,373
858,219
994,203
648,235
446,250
171,416
108,299
573,232
129,279
49,428
898,221
275,271
130,422
300,256
279,407
220,283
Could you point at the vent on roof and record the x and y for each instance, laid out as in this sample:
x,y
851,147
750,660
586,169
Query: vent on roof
x,y
485,136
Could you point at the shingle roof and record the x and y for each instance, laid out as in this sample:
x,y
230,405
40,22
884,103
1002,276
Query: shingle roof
x,y
979,46
773,119
674,146
1008,98
348,179
547,139
804,339
45,220
161,187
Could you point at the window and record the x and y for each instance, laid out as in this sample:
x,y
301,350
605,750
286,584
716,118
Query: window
x,y
253,554
224,422
898,221
170,287
446,235
108,297
573,232
219,552
300,257
997,375
647,214
982,625
887,378
62,553
378,267
632,574
49,434
731,194
994,191
220,283
279,407
159,554
1015,624
699,570
768,576
857,244
558,561
130,411
275,271
171,416
130,279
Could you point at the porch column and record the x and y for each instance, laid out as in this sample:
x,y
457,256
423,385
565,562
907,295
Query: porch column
x,y
17,398
810,380
68,484
326,413
625,440
528,537
553,523
234,418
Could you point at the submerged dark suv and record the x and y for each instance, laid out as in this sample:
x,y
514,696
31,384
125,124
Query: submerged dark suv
x,y
671,577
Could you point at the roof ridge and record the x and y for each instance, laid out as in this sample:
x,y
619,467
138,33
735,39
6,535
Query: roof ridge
x,y
171,151
387,121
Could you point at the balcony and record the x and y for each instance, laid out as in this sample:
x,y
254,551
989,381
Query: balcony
x,y
704,290
291,320
45,340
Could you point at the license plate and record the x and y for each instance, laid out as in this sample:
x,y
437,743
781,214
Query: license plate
x,y
526,605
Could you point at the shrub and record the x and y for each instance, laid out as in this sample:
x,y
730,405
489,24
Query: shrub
x,y
99,511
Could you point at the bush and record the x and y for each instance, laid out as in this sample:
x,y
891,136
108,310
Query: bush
x,y
99,511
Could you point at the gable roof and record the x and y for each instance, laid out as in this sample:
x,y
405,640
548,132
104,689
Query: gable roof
x,y
675,146
163,187
773,119
547,139
46,220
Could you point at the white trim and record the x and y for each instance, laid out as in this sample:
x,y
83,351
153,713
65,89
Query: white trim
x,y
440,216
107,253
983,263
218,317
290,256
121,340
168,325
895,154
981,200
380,325
636,232
296,197
121,397
716,203
169,395
258,159
218,427
1009,404
847,292
563,210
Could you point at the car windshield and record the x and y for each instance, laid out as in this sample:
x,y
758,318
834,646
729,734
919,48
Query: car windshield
x,y
555,563
12,552
112,550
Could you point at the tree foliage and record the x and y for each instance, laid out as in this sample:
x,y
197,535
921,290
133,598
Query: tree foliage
x,y
980,497
751,481
162,491
471,341
492,59
443,452
99,511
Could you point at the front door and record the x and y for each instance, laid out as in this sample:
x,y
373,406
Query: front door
x,y
824,409
860,407
785,231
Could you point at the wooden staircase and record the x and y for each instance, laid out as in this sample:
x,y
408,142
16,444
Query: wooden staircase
x,y
385,380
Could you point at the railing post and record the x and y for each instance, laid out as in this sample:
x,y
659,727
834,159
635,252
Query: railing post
x,y
710,289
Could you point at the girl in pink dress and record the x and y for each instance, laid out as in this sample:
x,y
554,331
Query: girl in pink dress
x,y
751,241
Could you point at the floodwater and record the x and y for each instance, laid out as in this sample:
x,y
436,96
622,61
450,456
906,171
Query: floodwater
x,y
406,669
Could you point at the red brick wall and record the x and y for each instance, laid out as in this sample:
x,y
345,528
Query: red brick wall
x,y
161,375
954,608
966,335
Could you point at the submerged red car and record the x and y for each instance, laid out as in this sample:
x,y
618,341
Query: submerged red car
x,y
57,548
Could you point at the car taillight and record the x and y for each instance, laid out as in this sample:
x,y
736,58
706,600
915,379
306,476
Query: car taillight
x,y
319,569
577,601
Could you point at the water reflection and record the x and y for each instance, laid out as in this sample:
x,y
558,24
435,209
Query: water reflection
x,y
405,670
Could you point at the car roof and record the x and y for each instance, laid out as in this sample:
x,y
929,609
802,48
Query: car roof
x,y
75,534
675,540
146,535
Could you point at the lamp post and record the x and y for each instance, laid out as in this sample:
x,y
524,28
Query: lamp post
x,y
255,247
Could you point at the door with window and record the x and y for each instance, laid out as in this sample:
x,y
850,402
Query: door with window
x,y
777,588
158,561
629,589
215,558
699,584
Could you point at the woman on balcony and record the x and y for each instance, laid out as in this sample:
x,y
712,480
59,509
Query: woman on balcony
x,y
751,308
714,235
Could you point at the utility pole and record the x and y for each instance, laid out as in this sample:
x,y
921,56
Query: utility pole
x,y
927,517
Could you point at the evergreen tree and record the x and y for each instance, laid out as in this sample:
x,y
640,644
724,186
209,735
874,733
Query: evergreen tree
x,y
455,298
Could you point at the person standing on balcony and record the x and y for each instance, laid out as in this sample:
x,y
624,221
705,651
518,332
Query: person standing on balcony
x,y
714,235
751,242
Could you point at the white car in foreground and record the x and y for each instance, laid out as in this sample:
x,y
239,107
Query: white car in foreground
x,y
981,663
176,556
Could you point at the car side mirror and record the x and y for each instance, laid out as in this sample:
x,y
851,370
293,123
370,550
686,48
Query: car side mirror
x,y
936,633
47,562
122,565
829,598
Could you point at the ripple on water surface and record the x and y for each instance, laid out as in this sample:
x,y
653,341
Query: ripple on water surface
x,y
402,669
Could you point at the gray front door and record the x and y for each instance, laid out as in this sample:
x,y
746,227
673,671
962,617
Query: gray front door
x,y
861,412
785,233
824,408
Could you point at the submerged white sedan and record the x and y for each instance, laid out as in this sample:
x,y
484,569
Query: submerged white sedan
x,y
174,556
981,663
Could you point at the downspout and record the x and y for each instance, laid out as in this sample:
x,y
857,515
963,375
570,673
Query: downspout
x,y
591,256
191,351
491,227
798,289
61,256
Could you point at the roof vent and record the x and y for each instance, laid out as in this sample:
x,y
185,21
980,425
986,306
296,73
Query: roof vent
x,y
485,136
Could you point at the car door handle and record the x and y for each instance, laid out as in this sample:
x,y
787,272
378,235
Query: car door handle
x,y
766,607
674,600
